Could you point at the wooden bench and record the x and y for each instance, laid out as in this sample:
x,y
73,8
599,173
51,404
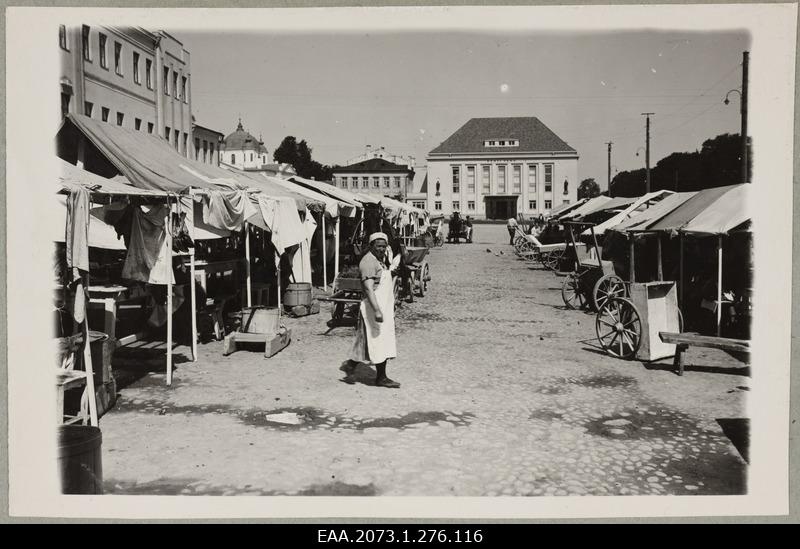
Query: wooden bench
x,y
683,341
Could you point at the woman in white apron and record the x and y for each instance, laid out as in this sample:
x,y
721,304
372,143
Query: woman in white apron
x,y
374,338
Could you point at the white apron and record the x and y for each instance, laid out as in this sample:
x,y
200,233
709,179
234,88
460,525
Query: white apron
x,y
375,341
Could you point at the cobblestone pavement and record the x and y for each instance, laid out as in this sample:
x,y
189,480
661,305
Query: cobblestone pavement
x,y
504,392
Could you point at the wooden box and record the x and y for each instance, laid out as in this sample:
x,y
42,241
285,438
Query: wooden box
x,y
657,303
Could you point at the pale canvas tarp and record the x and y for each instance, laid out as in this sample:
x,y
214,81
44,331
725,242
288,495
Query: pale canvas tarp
x,y
710,211
638,206
589,206
333,206
652,214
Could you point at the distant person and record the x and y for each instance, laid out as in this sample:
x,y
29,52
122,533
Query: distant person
x,y
455,228
511,225
468,229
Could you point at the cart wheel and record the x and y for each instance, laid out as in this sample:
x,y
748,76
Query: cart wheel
x,y
680,321
571,292
423,285
619,328
337,311
608,286
397,291
410,288
553,261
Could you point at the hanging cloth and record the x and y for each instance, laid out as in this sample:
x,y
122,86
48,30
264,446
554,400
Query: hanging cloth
x,y
301,262
77,249
148,260
227,210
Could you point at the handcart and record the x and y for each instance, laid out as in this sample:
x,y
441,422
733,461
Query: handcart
x,y
418,273
346,297
577,291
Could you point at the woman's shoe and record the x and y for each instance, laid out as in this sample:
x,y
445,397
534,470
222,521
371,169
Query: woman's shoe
x,y
386,382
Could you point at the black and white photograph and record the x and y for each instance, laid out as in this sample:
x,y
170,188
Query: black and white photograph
x,y
443,262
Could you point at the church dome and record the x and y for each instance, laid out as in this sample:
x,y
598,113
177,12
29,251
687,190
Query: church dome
x,y
242,140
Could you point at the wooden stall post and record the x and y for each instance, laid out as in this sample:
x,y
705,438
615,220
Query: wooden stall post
x,y
87,361
660,263
192,289
680,268
324,255
336,246
597,251
168,259
632,262
719,284
278,276
247,268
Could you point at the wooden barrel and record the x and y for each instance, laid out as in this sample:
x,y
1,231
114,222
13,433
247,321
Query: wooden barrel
x,y
79,459
297,293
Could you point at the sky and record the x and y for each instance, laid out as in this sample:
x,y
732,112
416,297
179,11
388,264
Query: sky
x,y
409,91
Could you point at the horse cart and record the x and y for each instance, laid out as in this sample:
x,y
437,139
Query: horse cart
x,y
417,272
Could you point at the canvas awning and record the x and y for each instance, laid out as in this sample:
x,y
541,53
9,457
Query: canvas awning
x,y
72,177
589,206
710,212
640,222
333,206
638,206
564,208
329,190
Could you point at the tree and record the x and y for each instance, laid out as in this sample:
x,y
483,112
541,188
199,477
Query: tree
x,y
588,188
298,154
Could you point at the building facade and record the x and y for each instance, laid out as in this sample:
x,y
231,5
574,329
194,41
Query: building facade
x,y
418,193
496,168
375,176
207,144
243,151
380,152
129,77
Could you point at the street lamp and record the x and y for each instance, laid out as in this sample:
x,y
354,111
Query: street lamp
x,y
743,111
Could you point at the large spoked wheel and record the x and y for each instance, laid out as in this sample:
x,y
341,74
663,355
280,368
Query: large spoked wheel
x,y
423,280
619,328
553,260
398,290
526,246
410,287
571,292
607,287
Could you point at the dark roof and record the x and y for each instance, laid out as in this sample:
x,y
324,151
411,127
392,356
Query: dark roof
x,y
533,136
373,165
241,140
209,130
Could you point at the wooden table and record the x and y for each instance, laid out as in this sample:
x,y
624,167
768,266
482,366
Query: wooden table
x,y
108,297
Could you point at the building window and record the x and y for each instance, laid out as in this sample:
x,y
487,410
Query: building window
x,y
437,205
120,118
548,204
206,156
456,179
85,43
88,108
176,141
501,143
186,144
136,76
118,58
233,159
456,205
364,182
486,180
471,205
175,90
531,204
566,187
532,177
210,153
183,89
344,182
386,184
166,80
197,149
65,99
397,182
516,178
470,179
62,37
102,41
548,178
565,201
104,114
376,184
149,127
501,179
148,73
251,157
137,123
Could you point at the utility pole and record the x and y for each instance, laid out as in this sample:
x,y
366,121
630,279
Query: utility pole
x,y
745,68
609,167
647,152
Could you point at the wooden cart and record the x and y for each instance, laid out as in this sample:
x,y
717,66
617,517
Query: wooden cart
x,y
418,272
